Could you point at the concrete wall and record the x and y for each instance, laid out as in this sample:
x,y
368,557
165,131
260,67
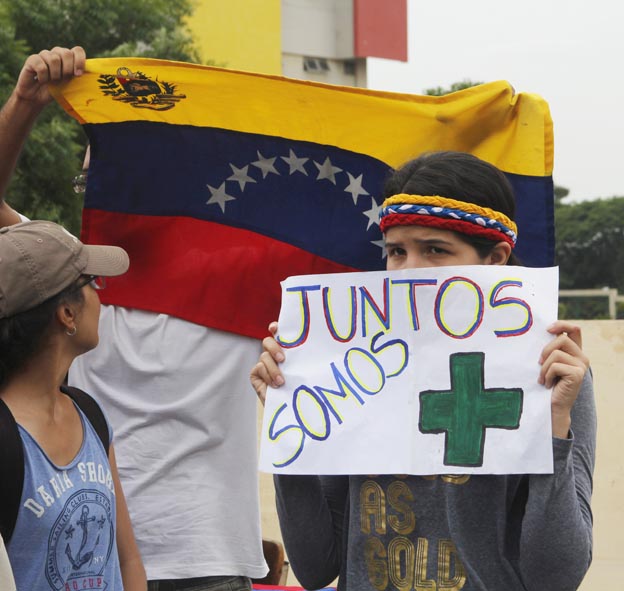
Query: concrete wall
x,y
318,28
603,340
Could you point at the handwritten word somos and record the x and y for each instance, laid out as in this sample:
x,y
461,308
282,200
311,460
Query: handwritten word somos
x,y
363,373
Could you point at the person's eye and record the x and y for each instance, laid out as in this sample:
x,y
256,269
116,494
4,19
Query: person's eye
x,y
395,251
436,250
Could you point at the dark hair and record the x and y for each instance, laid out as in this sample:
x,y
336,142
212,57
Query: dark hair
x,y
22,335
461,176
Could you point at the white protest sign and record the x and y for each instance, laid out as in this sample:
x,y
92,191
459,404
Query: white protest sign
x,y
421,371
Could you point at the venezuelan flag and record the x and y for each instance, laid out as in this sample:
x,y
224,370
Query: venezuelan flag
x,y
221,183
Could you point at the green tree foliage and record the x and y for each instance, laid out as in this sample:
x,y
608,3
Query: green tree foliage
x,y
41,186
13,51
589,253
560,193
100,26
177,45
440,91
590,244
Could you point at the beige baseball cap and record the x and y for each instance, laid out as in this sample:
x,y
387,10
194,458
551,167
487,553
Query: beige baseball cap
x,y
40,259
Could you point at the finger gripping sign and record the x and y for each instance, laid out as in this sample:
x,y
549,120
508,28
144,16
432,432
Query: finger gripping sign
x,y
422,371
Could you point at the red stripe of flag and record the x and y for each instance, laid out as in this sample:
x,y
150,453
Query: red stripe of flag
x,y
167,251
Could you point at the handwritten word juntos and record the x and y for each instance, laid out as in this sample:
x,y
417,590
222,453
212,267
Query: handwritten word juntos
x,y
363,307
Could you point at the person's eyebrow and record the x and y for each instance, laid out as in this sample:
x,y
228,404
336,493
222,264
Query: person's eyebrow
x,y
420,241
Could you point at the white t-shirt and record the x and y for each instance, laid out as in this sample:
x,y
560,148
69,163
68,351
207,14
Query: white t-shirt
x,y
6,576
184,415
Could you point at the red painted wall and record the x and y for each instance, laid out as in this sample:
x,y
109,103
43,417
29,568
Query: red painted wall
x,y
380,29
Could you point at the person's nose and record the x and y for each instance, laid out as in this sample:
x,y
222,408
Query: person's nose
x,y
415,260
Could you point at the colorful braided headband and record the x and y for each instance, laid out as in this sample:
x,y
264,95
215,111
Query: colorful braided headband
x,y
447,214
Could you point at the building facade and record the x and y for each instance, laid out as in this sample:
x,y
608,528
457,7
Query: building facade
x,y
321,40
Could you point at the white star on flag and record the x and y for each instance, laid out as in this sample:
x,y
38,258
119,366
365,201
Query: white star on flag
x,y
355,187
295,164
372,214
240,176
219,196
266,165
327,171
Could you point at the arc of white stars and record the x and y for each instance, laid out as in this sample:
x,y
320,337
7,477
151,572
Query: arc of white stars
x,y
327,170
240,176
355,187
372,214
295,164
266,165
219,196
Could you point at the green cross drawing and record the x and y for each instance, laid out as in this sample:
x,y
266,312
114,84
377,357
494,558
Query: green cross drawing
x,y
466,410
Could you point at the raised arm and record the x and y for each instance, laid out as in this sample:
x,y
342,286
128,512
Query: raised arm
x,y
28,99
556,543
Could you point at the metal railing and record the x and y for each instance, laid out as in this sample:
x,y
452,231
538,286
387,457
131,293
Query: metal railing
x,y
607,292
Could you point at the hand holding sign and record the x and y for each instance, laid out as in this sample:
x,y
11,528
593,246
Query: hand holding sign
x,y
266,371
563,366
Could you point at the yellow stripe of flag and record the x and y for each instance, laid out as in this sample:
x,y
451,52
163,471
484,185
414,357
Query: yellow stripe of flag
x,y
512,131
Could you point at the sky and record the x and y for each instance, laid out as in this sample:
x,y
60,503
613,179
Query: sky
x,y
570,52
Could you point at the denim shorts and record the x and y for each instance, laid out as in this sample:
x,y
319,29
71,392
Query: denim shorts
x,y
201,584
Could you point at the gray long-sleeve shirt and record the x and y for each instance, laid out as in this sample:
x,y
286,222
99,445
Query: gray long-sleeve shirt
x,y
517,532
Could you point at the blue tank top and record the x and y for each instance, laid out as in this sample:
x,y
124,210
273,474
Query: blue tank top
x,y
64,537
